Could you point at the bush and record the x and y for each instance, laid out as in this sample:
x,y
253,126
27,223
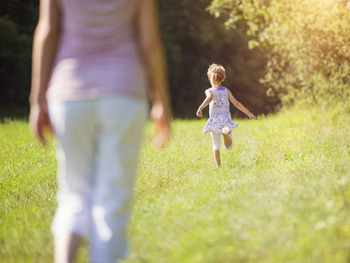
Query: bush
x,y
194,39
306,42
17,23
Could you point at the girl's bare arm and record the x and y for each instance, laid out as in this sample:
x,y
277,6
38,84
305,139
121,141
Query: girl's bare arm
x,y
239,106
205,103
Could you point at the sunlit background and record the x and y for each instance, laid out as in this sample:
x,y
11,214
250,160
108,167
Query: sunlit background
x,y
276,52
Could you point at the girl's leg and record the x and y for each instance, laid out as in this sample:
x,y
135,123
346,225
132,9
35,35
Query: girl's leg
x,y
216,147
228,141
217,158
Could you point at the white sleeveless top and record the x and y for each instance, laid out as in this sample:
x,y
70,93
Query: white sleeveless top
x,y
219,111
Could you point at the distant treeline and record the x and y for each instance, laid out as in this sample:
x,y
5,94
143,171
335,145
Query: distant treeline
x,y
306,42
17,23
193,39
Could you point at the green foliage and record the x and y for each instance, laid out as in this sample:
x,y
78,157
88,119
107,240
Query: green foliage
x,y
306,42
17,22
193,40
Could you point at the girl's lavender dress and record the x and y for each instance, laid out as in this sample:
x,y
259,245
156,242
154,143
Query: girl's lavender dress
x,y
219,112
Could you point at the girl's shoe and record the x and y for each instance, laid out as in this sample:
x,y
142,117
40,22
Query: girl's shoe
x,y
225,130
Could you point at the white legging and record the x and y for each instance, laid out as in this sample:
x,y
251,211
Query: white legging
x,y
97,149
217,141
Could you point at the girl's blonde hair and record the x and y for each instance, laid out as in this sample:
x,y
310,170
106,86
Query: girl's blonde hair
x,y
217,71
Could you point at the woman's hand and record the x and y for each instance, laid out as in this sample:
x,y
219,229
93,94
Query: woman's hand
x,y
39,122
162,125
199,113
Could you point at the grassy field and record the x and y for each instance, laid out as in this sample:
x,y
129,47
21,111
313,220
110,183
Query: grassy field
x,y
282,194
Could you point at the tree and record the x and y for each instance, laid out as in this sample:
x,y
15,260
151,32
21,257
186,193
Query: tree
x,y
17,23
306,41
194,39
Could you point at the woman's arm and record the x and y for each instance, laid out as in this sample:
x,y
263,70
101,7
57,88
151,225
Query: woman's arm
x,y
46,37
153,52
239,106
205,103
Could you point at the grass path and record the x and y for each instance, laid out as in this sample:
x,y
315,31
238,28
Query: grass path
x,y
282,194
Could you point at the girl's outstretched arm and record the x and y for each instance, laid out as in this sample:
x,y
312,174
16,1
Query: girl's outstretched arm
x,y
204,104
239,106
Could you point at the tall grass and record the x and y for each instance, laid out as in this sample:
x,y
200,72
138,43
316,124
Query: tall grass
x,y
282,194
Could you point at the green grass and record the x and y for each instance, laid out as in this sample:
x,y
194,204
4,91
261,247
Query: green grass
x,y
282,194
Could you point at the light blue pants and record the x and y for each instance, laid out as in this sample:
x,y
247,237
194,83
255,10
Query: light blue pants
x,y
97,151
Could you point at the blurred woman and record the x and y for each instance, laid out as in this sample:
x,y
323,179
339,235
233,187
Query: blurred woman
x,y
92,63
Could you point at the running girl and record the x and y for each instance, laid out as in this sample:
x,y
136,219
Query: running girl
x,y
219,122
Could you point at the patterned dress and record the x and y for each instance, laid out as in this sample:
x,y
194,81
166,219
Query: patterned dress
x,y
219,112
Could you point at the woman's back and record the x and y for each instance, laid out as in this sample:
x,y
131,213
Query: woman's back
x,y
98,53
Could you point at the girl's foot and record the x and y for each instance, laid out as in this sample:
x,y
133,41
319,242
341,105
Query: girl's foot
x,y
227,140
217,158
225,130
